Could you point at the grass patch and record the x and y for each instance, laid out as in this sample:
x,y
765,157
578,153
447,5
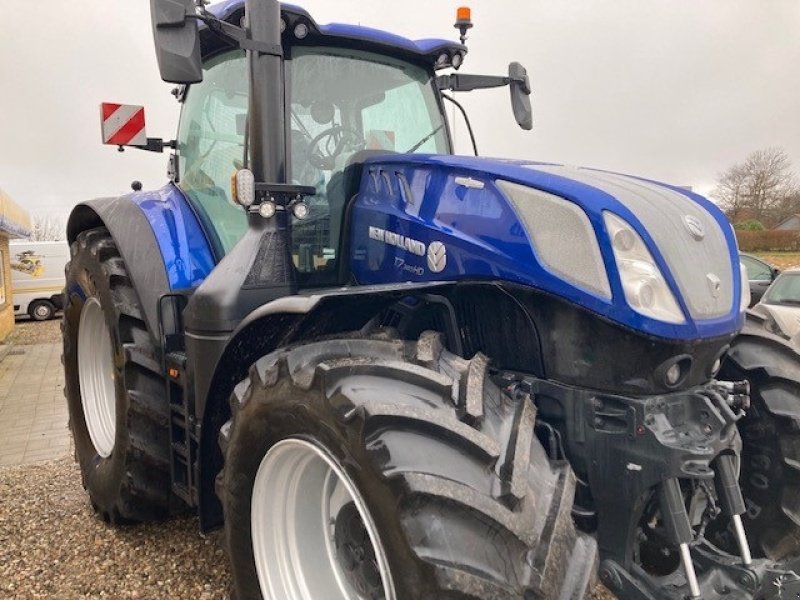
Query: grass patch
x,y
782,260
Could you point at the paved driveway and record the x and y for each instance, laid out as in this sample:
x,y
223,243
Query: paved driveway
x,y
33,412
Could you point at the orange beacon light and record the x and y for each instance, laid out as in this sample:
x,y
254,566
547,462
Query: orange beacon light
x,y
463,21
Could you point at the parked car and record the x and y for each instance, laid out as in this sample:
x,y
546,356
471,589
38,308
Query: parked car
x,y
781,304
37,277
760,274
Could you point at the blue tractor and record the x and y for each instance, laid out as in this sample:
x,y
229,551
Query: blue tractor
x,y
392,372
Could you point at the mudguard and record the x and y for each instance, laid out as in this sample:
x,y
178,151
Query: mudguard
x,y
160,239
277,324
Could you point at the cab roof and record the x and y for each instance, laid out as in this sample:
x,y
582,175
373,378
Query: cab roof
x,y
338,34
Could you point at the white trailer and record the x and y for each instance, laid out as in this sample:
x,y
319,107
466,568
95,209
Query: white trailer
x,y
37,277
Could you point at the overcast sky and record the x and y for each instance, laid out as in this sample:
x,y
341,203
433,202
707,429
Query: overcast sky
x,y
676,91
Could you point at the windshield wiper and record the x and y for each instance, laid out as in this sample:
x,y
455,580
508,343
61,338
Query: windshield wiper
x,y
425,139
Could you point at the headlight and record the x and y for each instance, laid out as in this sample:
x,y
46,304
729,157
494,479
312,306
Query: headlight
x,y
746,297
645,288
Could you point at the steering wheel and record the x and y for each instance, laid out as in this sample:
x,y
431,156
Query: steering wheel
x,y
336,138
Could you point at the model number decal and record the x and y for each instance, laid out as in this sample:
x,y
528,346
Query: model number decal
x,y
403,266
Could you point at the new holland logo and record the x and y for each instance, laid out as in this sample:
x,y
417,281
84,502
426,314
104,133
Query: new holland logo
x,y
436,252
395,239
437,257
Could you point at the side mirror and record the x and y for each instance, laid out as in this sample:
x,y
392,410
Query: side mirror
x,y
520,87
177,40
775,272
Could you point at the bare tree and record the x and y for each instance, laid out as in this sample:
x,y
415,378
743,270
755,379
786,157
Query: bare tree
x,y
791,206
759,188
731,193
47,228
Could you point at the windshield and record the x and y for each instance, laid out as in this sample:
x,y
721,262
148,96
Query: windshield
x,y
785,290
343,101
345,105
340,102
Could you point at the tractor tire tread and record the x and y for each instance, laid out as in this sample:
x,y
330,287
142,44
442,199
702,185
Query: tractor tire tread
x,y
144,491
770,434
429,396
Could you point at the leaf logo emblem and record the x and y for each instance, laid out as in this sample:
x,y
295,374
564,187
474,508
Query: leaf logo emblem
x,y
437,257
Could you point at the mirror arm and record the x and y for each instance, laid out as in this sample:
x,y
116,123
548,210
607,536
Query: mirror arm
x,y
153,145
236,34
466,83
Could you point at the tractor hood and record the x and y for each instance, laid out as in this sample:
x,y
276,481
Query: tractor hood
x,y
653,257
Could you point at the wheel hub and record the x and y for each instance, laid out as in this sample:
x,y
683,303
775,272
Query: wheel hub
x,y
355,553
96,377
312,532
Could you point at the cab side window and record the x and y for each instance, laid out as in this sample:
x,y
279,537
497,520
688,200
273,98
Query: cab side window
x,y
211,146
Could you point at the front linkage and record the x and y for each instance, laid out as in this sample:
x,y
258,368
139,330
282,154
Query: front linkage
x,y
656,471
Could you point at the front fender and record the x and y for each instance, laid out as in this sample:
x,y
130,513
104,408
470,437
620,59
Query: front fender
x,y
277,324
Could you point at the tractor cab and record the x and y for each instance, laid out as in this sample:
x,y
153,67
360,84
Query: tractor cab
x,y
343,105
349,95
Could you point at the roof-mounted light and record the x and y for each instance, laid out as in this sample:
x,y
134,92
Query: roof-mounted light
x,y
300,30
463,21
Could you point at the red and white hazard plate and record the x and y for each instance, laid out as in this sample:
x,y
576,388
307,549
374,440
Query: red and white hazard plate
x,y
123,124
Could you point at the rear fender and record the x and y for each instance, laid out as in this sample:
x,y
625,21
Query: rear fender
x,y
158,236
137,245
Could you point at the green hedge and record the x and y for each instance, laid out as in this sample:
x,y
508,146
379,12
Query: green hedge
x,y
769,241
749,225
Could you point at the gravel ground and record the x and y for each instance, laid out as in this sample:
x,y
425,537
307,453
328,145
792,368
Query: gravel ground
x,y
27,332
53,546
601,593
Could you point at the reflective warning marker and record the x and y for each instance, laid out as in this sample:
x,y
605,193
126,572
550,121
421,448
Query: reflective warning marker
x,y
123,124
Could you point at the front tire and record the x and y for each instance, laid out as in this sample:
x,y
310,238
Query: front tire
x,y
115,394
436,484
770,431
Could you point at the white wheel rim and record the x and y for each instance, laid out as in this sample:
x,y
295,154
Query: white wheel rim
x,y
42,311
298,491
96,377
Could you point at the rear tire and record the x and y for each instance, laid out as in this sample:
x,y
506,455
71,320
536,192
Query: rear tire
x,y
119,426
464,502
41,310
770,431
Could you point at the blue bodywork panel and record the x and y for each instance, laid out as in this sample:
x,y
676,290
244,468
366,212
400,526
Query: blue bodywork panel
x,y
184,246
416,196
350,33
